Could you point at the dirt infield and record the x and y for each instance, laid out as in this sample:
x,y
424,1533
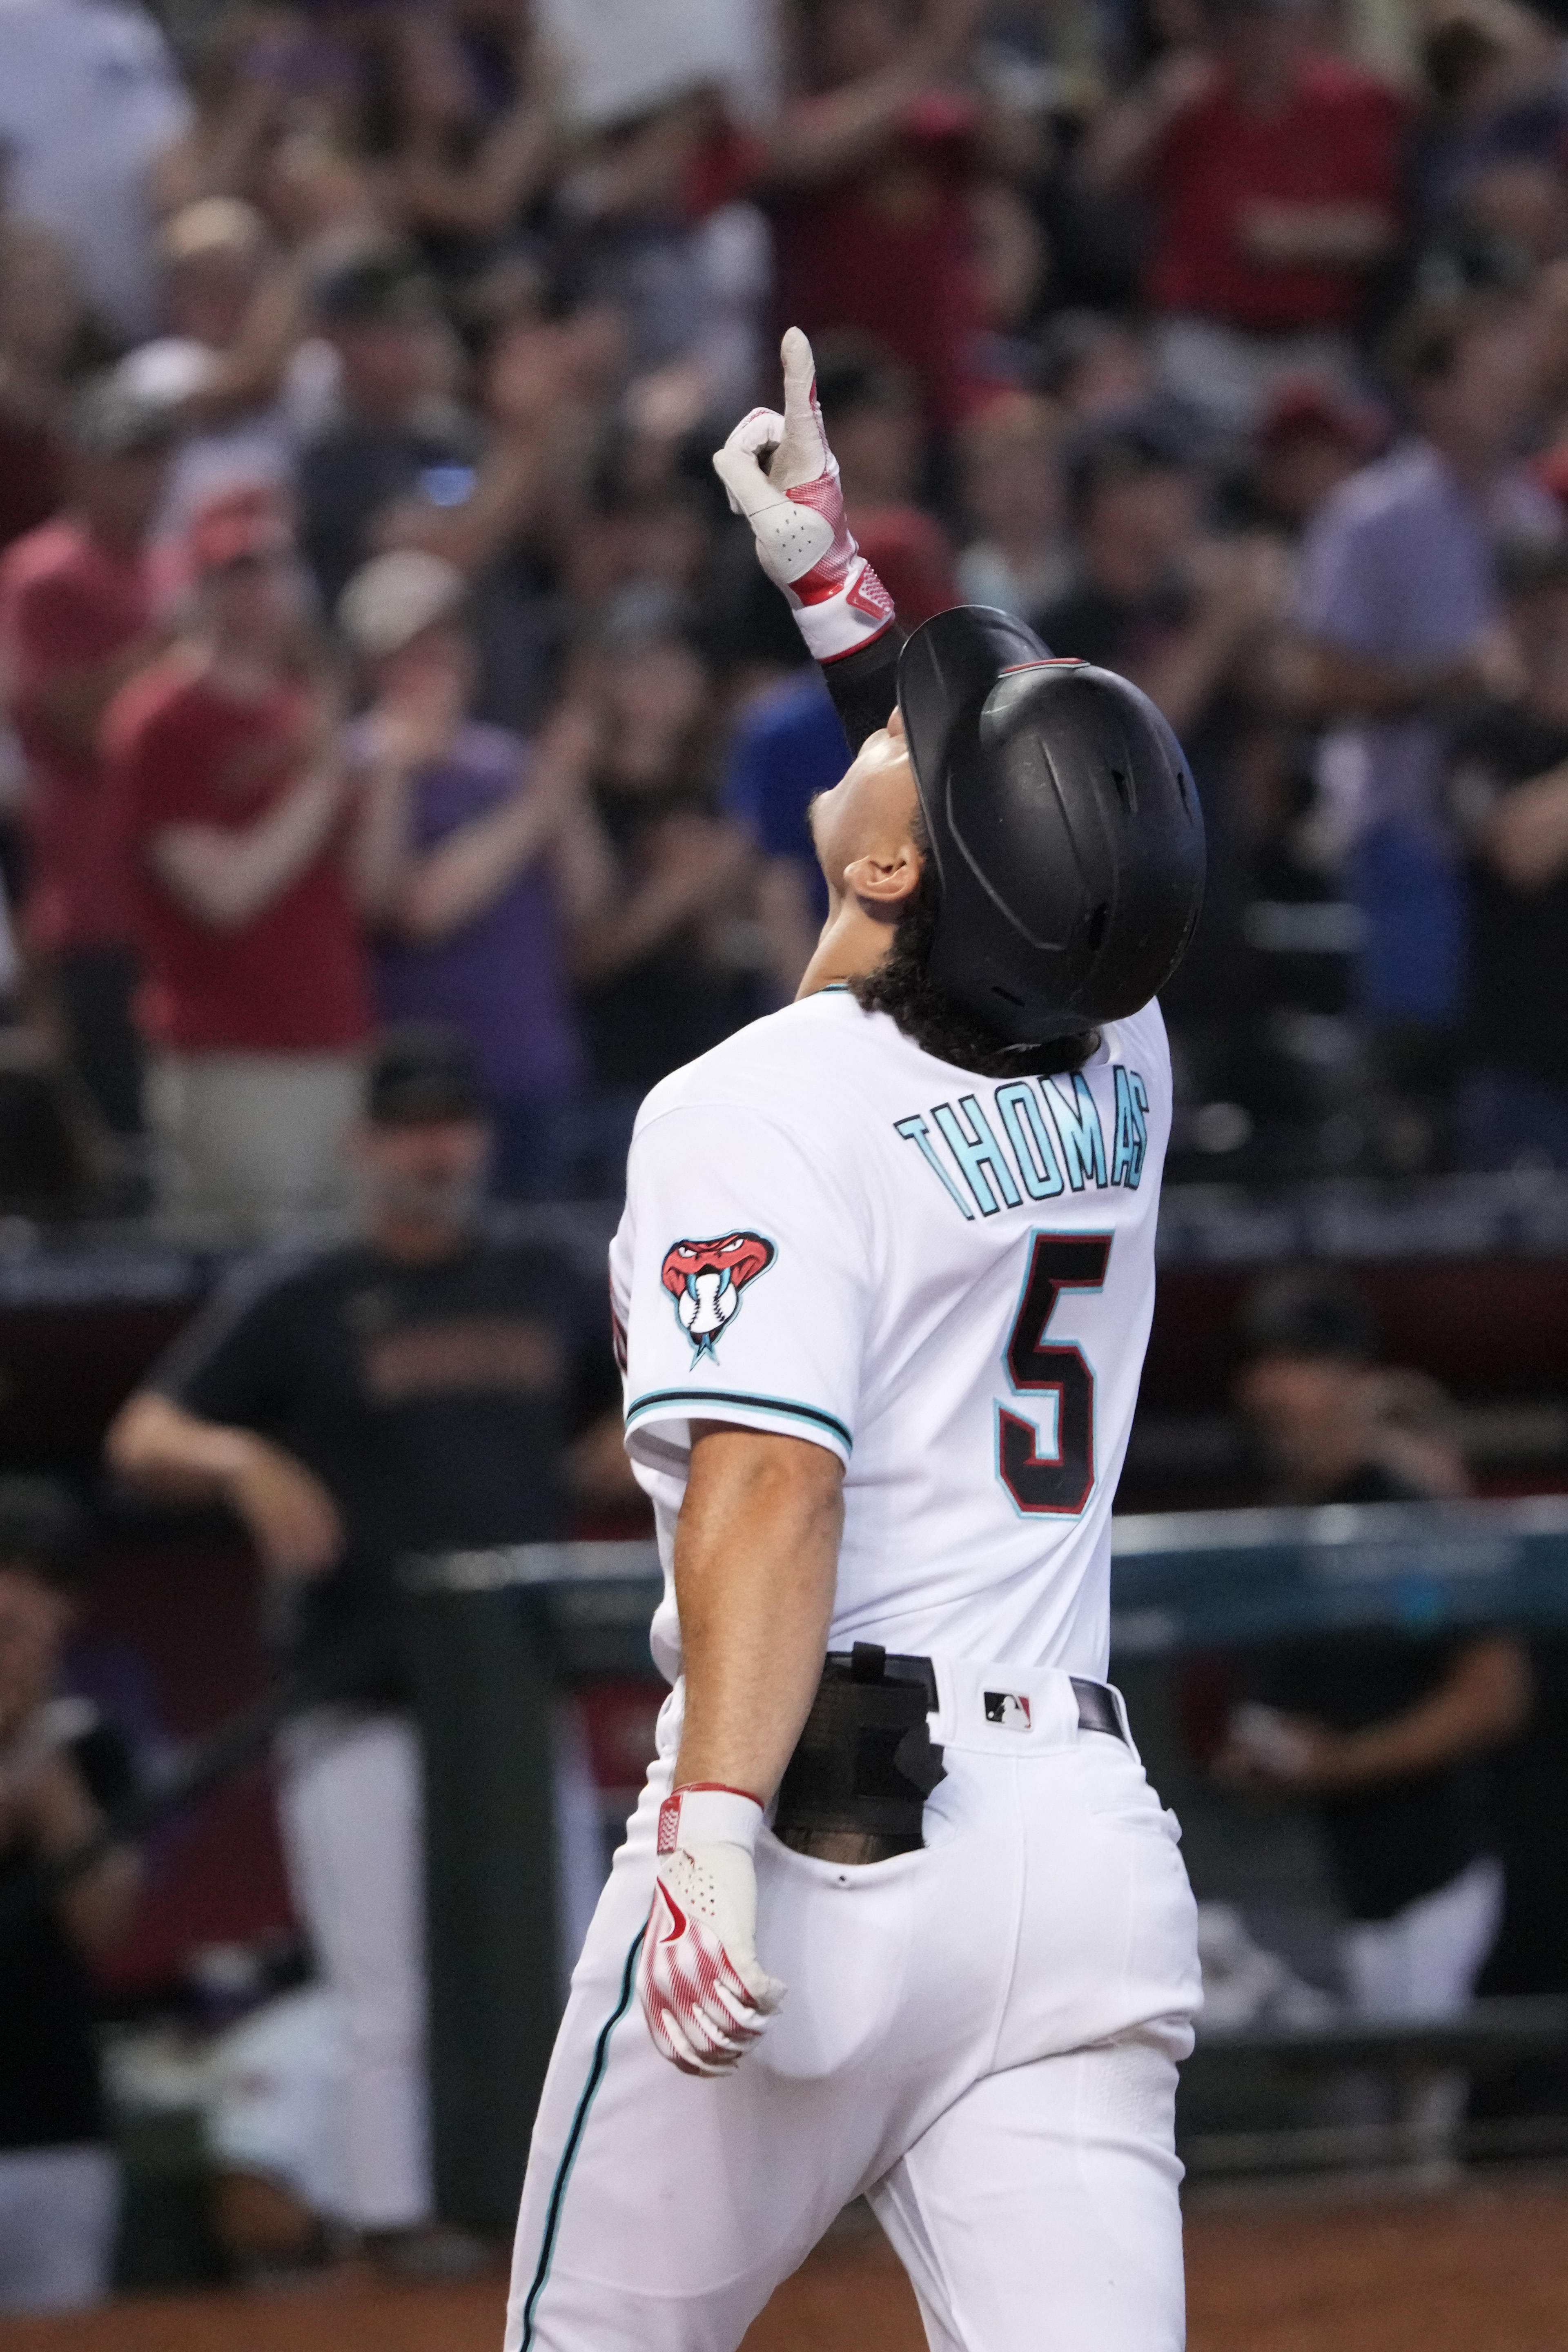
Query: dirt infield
x,y
1485,2271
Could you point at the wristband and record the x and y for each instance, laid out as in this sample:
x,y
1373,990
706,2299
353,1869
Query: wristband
x,y
709,1812
857,612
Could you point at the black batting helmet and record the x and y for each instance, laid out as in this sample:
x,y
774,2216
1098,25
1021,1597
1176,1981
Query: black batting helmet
x,y
1064,825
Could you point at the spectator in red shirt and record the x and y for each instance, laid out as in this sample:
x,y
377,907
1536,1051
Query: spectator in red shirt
x,y
256,1003
76,621
1273,168
871,173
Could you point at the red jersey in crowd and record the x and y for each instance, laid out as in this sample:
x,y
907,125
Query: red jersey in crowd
x,y
1337,141
66,603
887,251
295,978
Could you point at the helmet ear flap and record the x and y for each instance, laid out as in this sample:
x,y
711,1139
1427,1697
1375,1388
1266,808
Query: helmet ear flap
x,y
1065,832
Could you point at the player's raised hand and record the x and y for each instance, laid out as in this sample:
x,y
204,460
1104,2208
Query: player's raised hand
x,y
704,1994
791,451
782,476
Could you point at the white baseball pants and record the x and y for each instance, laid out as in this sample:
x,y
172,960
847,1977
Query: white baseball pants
x,y
58,2208
981,2037
1423,1961
351,1805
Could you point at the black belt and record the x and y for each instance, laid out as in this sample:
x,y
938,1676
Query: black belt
x,y
856,1787
1096,1708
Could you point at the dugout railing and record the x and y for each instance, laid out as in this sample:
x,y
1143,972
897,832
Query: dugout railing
x,y
492,1634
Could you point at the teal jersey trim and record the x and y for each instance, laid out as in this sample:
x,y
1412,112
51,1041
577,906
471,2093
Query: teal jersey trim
x,y
575,2140
787,1406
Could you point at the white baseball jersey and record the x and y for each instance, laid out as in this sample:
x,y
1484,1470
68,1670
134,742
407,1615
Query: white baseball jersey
x,y
946,1280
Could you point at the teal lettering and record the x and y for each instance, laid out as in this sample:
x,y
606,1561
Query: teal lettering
x,y
1029,1133
915,1130
975,1151
1131,1128
1077,1124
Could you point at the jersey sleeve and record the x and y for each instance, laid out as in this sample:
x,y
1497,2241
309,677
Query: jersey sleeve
x,y
231,1364
749,1284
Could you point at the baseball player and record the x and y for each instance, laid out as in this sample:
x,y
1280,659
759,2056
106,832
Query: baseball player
x,y
898,1915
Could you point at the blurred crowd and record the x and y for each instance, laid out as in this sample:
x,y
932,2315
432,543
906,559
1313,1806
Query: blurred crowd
x,y
378,645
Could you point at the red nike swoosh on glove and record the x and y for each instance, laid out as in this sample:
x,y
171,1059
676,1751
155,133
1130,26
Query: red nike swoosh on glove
x,y
678,1916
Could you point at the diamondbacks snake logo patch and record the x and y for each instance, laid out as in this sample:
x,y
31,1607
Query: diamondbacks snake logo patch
x,y
706,1280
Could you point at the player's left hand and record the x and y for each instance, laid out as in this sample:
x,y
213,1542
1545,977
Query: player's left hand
x,y
704,1994
782,476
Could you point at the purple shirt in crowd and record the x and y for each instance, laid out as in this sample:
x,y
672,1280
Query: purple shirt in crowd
x,y
1399,568
500,979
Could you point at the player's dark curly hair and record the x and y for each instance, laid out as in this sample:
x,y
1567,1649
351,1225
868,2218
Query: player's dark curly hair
x,y
900,988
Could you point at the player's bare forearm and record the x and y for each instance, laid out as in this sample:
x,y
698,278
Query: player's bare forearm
x,y
756,1562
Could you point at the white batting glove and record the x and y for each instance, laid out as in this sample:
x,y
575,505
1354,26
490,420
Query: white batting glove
x,y
796,512
705,1997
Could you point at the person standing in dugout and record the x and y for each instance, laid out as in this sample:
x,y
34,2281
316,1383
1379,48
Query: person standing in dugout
x,y
898,1914
417,1388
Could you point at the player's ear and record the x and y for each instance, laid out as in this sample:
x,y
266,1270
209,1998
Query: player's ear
x,y
885,884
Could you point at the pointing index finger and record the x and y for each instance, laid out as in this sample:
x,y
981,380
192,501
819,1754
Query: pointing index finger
x,y
803,417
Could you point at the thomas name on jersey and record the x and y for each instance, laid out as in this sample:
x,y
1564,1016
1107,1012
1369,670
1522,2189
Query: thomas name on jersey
x,y
1041,1137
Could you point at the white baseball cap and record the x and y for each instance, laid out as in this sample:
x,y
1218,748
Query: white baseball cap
x,y
393,597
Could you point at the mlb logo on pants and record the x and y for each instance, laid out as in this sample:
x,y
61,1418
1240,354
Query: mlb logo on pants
x,y
1007,1708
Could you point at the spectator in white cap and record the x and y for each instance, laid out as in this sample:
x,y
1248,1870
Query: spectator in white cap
x,y
232,359
478,854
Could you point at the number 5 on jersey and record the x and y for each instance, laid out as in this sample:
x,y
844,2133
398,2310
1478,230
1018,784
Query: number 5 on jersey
x,y
1057,1483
